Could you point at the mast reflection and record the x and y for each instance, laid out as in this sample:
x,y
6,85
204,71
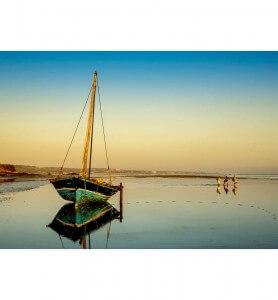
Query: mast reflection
x,y
77,222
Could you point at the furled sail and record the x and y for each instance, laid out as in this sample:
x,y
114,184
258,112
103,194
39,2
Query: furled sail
x,y
85,171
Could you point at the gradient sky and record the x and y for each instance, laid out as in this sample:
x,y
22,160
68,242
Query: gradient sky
x,y
191,111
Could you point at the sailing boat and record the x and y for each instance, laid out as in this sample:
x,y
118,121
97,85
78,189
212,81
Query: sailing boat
x,y
83,187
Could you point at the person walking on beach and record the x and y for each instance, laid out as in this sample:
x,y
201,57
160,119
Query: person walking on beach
x,y
235,181
218,185
226,184
226,181
218,180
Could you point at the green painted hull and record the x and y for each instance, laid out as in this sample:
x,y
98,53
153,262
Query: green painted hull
x,y
78,190
81,195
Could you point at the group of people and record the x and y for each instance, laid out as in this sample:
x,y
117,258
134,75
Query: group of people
x,y
226,184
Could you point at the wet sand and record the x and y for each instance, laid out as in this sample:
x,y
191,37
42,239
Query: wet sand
x,y
11,185
162,213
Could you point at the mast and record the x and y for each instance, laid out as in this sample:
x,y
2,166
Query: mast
x,y
89,133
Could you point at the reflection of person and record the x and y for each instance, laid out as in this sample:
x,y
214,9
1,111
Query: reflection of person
x,y
218,191
235,189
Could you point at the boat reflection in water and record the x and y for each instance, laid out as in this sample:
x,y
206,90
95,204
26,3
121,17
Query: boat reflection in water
x,y
77,222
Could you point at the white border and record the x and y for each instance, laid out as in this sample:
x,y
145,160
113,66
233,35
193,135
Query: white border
x,y
138,25
134,274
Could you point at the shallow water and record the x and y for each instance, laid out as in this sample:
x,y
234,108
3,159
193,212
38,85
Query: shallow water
x,y
157,213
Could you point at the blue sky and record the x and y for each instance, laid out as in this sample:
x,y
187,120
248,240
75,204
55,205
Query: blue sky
x,y
188,91
192,73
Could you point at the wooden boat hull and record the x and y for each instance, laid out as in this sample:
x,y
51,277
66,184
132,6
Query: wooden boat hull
x,y
79,190
78,195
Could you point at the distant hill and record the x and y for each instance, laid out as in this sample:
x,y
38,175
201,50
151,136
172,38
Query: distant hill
x,y
7,168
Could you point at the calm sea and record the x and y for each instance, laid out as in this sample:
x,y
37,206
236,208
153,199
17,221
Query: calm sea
x,y
157,213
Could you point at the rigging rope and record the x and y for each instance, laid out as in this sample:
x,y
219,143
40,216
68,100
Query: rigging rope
x,y
82,112
103,131
104,135
108,234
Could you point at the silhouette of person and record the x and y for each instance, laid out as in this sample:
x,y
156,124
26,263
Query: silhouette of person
x,y
218,180
226,182
235,181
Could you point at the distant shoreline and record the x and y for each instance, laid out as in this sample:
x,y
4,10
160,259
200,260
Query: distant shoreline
x,y
6,177
19,172
171,176
201,176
